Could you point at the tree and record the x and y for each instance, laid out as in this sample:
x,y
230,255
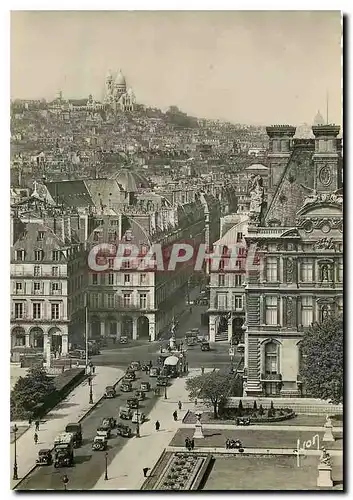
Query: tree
x,y
29,391
213,387
322,360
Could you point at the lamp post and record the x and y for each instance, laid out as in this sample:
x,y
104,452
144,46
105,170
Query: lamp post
x,y
65,481
15,475
90,391
165,388
106,467
138,420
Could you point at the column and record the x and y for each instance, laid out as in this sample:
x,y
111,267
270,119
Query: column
x,y
103,329
212,328
134,328
45,343
118,329
246,350
64,344
152,330
27,340
230,328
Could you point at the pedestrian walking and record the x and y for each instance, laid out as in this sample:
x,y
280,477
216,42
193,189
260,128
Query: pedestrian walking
x,y
202,370
37,425
195,401
179,405
35,438
192,443
145,470
175,415
30,421
157,425
93,369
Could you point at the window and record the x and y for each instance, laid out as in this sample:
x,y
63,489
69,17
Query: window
x,y
94,300
18,310
19,287
40,236
37,310
110,300
271,310
111,236
143,279
36,286
102,279
114,222
237,301
111,279
127,299
38,255
307,311
306,270
143,301
36,271
20,255
238,280
96,236
239,237
221,280
221,301
340,271
55,271
56,255
55,311
111,262
126,279
94,279
55,287
271,358
271,269
126,264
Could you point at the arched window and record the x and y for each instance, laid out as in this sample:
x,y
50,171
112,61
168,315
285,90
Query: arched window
x,y
271,358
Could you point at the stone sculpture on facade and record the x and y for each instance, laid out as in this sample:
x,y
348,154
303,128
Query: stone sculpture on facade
x,y
256,198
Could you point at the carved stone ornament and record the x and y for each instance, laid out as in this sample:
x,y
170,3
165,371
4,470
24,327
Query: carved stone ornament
x,y
324,244
289,311
290,268
325,176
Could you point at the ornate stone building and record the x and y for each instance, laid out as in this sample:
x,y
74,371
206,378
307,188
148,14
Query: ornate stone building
x,y
117,95
299,237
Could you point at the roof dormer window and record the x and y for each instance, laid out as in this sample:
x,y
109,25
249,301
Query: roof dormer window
x,y
40,236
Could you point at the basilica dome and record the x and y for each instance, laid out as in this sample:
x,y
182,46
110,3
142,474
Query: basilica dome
x,y
120,79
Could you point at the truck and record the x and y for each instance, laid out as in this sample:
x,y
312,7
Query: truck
x,y
64,450
76,430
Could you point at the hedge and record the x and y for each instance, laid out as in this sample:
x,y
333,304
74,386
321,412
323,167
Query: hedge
x,y
64,384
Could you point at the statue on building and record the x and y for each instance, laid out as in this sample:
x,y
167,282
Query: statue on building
x,y
325,272
325,458
256,197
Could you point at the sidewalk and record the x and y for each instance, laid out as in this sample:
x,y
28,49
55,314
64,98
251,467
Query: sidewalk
x,y
71,409
125,471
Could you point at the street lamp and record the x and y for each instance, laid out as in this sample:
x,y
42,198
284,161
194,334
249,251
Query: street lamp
x,y
90,391
106,467
15,475
138,420
165,388
65,481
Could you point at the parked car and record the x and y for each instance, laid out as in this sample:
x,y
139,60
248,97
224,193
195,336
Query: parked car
x,y
109,422
130,375
138,417
104,431
145,386
154,371
140,395
44,457
125,413
205,346
123,339
100,443
126,386
123,430
135,365
132,403
110,392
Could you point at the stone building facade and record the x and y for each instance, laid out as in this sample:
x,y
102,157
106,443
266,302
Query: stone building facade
x,y
299,239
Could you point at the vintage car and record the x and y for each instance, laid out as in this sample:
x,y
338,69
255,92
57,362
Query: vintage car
x,y
130,375
123,339
154,371
145,386
205,346
108,422
125,413
104,432
138,417
162,381
44,457
123,430
109,392
132,403
135,365
126,386
140,395
100,443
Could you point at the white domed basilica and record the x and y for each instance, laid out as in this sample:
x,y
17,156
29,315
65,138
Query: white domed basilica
x,y
117,94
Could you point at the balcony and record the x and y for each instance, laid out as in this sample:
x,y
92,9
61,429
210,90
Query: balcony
x,y
271,377
24,273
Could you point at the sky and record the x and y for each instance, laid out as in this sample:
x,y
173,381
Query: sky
x,y
245,67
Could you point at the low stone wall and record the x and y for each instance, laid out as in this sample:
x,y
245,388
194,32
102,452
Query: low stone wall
x,y
298,405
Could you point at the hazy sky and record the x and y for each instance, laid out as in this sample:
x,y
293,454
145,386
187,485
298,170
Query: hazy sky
x,y
248,67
